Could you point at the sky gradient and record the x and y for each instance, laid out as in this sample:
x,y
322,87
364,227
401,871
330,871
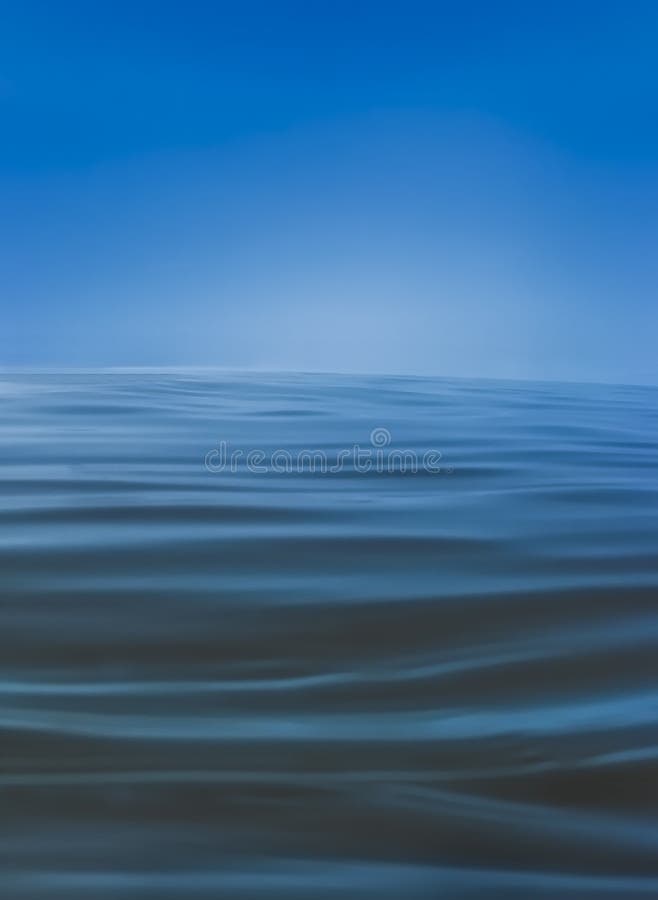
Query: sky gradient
x,y
456,189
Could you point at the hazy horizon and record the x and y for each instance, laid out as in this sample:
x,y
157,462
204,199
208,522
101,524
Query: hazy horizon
x,y
38,369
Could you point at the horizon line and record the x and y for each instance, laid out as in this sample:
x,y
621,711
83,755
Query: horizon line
x,y
254,370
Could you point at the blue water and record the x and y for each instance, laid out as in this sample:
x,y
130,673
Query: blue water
x,y
353,683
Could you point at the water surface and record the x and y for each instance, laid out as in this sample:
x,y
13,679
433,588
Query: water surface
x,y
327,684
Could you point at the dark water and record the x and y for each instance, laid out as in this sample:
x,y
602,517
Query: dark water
x,y
342,684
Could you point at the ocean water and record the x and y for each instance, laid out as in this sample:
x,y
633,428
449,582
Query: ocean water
x,y
258,678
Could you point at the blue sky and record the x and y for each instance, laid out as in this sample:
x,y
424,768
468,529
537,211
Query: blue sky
x,y
448,188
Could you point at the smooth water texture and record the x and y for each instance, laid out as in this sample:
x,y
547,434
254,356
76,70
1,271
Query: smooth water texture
x,y
353,683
